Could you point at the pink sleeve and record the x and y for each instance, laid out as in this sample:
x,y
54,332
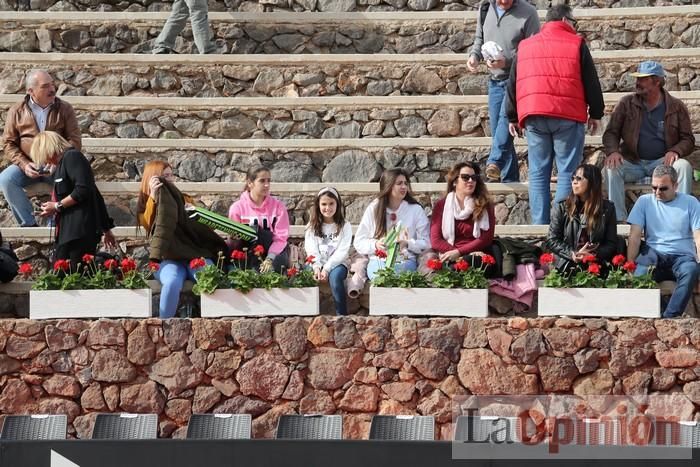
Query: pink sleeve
x,y
234,212
281,231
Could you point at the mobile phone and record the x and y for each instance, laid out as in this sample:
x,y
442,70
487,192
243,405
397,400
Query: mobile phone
x,y
43,170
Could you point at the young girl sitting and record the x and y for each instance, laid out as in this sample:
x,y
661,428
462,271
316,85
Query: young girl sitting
x,y
328,239
394,204
257,208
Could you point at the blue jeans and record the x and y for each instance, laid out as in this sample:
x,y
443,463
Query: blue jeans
x,y
502,149
12,183
198,12
631,172
172,276
549,140
683,268
375,264
336,280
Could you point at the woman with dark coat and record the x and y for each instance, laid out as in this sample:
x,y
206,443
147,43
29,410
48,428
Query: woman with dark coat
x,y
77,206
584,224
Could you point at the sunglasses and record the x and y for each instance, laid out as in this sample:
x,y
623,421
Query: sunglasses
x,y
577,178
659,188
574,22
468,177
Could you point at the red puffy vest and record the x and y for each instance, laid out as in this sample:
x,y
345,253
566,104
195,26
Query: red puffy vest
x,y
549,75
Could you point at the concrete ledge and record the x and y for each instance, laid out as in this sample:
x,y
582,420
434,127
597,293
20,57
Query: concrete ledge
x,y
355,102
121,188
297,59
296,231
339,18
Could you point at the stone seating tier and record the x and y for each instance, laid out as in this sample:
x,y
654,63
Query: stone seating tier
x,y
294,117
343,32
305,75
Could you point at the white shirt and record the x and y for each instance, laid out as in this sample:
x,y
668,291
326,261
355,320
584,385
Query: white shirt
x,y
332,248
412,218
40,113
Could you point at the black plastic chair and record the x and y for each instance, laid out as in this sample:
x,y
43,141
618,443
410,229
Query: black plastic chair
x,y
487,428
310,427
402,427
125,426
219,426
34,427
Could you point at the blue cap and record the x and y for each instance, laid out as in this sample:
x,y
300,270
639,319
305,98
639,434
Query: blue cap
x,y
649,68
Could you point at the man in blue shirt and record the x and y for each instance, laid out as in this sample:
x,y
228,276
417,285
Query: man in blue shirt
x,y
671,224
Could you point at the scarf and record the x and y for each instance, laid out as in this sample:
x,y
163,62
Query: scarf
x,y
451,213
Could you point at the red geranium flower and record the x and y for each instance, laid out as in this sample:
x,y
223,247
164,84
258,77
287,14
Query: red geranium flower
x,y
461,265
61,265
488,259
629,266
128,264
110,264
153,266
546,258
594,269
197,263
310,259
237,255
259,250
618,260
26,270
291,272
434,264
588,259
380,253
88,258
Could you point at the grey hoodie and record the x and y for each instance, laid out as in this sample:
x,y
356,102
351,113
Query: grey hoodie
x,y
519,22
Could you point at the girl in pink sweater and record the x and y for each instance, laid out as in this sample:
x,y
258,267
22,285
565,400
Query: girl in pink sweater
x,y
257,208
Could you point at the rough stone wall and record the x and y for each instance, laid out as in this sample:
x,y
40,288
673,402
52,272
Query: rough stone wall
x,y
355,366
306,5
426,36
264,122
310,80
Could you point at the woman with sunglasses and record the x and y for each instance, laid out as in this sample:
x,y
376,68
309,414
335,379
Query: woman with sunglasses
x,y
584,224
463,222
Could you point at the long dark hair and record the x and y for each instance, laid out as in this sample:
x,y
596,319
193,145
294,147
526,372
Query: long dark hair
x,y
481,193
316,218
593,200
386,183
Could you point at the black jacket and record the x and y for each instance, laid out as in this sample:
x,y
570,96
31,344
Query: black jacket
x,y
87,219
175,236
565,231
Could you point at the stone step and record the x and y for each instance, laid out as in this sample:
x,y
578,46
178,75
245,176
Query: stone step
x,y
260,6
511,199
290,117
307,75
371,32
300,160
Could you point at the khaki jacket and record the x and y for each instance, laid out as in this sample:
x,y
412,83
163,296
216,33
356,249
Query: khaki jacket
x,y
626,121
20,129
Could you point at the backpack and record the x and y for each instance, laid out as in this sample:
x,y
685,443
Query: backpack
x,y
8,265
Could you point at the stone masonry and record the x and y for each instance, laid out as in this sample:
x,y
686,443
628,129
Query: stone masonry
x,y
354,366
136,35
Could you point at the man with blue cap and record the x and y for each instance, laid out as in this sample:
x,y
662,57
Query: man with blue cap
x,y
647,129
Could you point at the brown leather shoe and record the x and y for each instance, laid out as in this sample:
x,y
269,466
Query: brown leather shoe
x,y
493,173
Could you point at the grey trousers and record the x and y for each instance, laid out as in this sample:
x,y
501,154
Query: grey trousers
x,y
198,12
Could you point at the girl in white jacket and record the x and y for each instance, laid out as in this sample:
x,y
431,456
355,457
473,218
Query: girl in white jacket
x,y
394,204
327,243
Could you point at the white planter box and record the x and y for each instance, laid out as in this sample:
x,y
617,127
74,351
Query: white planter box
x,y
109,303
261,302
623,303
472,303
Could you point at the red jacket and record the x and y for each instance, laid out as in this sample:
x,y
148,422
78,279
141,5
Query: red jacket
x,y
549,77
